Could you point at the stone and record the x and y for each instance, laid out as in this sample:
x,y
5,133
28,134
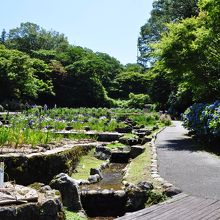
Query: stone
x,y
136,151
136,198
45,188
146,131
47,207
155,127
102,152
83,182
8,213
167,185
87,128
145,140
69,128
104,203
50,207
108,136
94,171
119,157
172,191
69,190
29,211
94,178
155,176
143,185
129,141
127,129
120,193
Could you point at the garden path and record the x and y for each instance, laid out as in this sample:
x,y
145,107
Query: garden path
x,y
194,171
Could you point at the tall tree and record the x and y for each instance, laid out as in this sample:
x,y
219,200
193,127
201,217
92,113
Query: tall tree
x,y
30,37
164,11
22,77
189,54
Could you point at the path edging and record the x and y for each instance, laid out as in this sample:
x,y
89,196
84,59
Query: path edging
x,y
169,187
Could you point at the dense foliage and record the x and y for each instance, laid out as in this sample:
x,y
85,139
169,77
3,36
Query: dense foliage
x,y
204,120
181,40
178,65
40,66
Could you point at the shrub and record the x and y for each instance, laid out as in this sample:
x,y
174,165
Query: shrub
x,y
138,100
203,119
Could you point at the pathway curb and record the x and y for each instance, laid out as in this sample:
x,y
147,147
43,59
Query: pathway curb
x,y
169,187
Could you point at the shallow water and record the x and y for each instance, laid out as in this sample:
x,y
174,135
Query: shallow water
x,y
112,178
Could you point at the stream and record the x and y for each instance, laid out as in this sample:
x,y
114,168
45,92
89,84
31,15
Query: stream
x,y
112,178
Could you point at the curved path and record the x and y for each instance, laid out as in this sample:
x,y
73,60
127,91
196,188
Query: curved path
x,y
195,172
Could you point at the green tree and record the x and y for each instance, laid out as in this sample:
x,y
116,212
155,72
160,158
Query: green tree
x,y
131,82
164,11
21,77
30,37
188,54
83,85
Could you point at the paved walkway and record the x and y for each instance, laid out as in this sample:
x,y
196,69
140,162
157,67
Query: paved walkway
x,y
195,172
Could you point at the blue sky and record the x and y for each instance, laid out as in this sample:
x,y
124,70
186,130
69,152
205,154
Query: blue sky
x,y
110,26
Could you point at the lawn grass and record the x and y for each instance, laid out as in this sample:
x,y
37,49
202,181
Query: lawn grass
x,y
114,145
139,168
73,216
86,163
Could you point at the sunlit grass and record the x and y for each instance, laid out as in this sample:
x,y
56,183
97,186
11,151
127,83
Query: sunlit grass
x,y
86,163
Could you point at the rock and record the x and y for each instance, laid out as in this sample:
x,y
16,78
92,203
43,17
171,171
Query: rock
x,y
50,207
119,157
145,139
155,127
172,191
45,188
68,128
83,182
125,183
136,151
69,190
29,211
136,198
104,166
102,152
129,141
143,185
94,178
120,193
104,203
127,129
87,128
94,171
109,136
8,213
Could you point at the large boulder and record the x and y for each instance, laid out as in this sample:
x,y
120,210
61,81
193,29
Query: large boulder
x,y
69,190
44,204
137,196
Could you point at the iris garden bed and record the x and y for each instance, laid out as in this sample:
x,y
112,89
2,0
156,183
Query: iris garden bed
x,y
38,131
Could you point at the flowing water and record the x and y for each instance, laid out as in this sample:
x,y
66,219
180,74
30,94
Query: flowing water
x,y
112,178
